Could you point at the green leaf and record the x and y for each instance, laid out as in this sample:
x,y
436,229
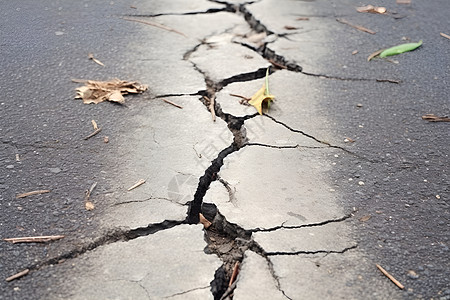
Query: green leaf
x,y
400,49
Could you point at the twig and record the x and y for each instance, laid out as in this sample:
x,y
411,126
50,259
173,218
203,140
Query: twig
x,y
140,182
360,28
91,56
234,274
155,25
229,291
445,35
174,104
211,107
18,275
88,205
242,97
23,195
277,64
34,239
395,281
92,134
94,124
434,118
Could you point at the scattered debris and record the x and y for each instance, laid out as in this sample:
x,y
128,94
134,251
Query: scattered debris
x,y
34,239
105,139
99,91
395,281
88,205
365,218
204,221
211,106
348,140
174,104
372,9
403,1
244,100
287,27
303,19
262,98
434,118
23,195
139,183
375,54
400,49
96,130
360,28
18,275
355,52
91,56
156,25
445,35
234,274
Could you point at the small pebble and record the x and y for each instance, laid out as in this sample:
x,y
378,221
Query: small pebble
x,y
359,105
412,274
438,197
361,182
10,166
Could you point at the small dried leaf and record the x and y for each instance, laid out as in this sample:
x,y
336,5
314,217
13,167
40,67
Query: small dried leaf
x,y
89,205
365,218
204,221
372,9
99,91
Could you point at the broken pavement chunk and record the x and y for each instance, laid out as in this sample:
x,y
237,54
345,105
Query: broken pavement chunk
x,y
98,91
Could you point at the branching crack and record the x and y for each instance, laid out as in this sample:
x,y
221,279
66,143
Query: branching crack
x,y
112,236
313,252
282,226
228,8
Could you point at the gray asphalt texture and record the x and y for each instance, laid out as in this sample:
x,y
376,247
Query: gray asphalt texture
x,y
404,159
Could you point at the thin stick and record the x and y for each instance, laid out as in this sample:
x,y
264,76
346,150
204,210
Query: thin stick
x,y
174,104
155,25
140,182
235,273
445,35
23,195
34,239
92,134
211,107
18,275
360,28
395,281
242,97
277,64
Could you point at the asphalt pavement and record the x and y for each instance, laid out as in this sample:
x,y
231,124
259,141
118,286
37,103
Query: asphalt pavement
x,y
340,175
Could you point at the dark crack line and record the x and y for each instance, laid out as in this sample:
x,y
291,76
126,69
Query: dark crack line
x,y
178,95
351,79
188,291
316,139
284,147
112,236
282,226
228,8
280,253
148,199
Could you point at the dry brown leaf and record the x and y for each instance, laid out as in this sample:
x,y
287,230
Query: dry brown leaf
x,y
23,195
434,118
98,91
204,221
372,9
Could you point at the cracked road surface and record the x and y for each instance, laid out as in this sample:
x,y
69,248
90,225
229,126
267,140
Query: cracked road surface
x,y
306,214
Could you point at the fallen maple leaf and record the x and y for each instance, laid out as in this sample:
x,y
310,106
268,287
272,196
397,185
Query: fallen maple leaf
x,y
262,98
98,91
